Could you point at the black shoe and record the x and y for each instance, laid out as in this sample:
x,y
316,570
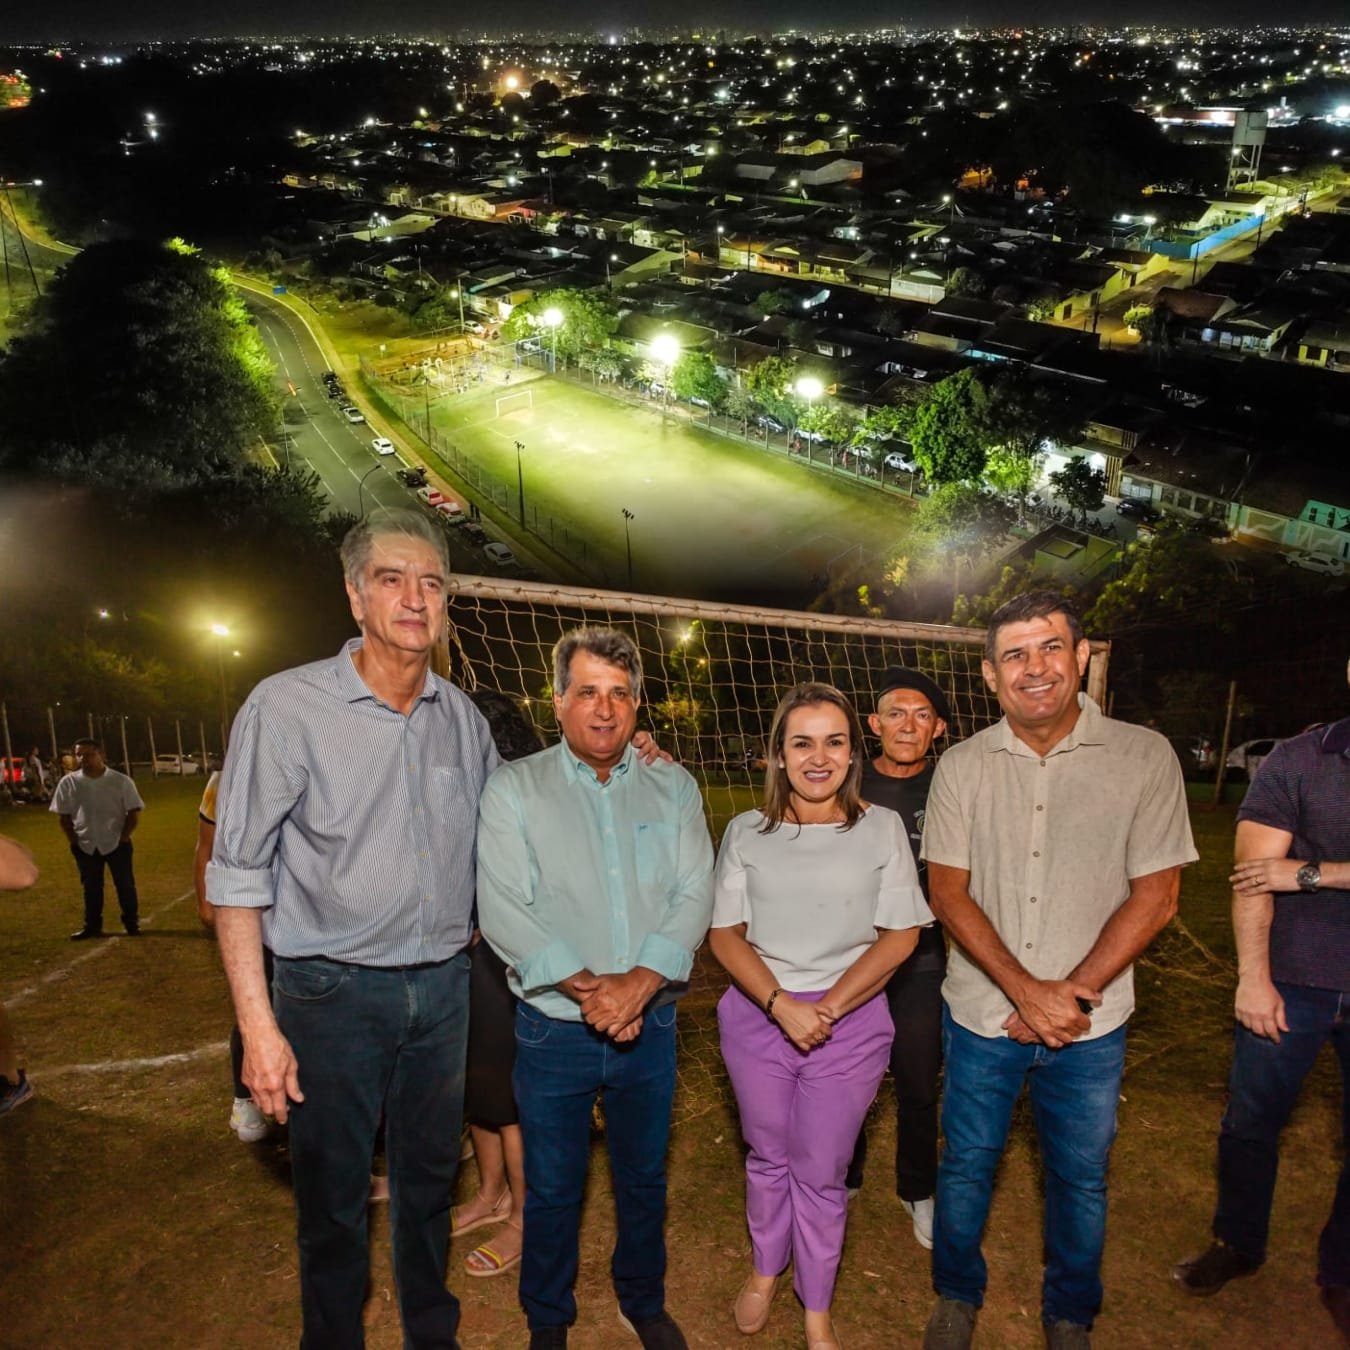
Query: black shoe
x,y
657,1333
85,933
133,929
1208,1273
548,1338
1336,1300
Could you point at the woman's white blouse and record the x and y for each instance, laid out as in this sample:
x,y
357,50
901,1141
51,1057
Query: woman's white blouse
x,y
813,896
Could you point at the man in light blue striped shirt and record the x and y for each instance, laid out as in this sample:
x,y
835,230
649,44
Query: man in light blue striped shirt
x,y
345,840
595,886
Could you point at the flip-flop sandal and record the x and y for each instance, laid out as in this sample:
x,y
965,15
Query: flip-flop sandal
x,y
498,1264
499,1212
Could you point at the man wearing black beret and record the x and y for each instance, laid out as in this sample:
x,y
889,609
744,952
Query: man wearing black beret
x,y
911,713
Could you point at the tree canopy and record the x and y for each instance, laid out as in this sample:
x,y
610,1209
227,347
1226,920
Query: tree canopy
x,y
694,375
950,431
141,369
588,321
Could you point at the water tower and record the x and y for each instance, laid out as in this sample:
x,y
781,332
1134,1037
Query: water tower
x,y
1244,160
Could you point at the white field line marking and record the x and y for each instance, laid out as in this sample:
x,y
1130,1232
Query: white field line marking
x,y
103,946
136,1065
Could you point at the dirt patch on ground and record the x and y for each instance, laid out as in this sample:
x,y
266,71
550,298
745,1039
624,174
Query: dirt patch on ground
x,y
133,1217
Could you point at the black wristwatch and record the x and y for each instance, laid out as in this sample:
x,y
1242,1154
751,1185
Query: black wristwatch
x,y
1309,876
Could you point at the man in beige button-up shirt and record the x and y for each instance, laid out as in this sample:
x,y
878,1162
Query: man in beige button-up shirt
x,y
1055,842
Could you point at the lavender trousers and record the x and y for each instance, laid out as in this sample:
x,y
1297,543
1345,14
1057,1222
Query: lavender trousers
x,y
800,1115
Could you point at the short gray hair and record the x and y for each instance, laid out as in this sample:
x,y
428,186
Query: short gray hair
x,y
359,542
611,646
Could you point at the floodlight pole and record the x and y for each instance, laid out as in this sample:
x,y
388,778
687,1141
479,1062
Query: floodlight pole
x,y
628,541
520,484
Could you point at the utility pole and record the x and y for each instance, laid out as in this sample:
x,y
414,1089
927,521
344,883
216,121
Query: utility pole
x,y
628,542
520,484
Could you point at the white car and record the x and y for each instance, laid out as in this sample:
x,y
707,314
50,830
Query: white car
x,y
382,445
499,554
353,415
1326,563
896,460
1249,755
178,765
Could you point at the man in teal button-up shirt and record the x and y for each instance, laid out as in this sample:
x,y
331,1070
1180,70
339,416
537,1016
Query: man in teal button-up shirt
x,y
595,886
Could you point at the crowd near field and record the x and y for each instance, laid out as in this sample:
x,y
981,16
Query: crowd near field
x,y
133,1216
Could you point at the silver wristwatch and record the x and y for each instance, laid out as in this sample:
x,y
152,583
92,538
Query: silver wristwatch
x,y
1309,876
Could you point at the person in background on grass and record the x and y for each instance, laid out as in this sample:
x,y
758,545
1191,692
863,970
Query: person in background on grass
x,y
99,809
245,1119
345,843
18,872
816,904
35,776
595,886
1055,841
489,1102
1291,920
911,713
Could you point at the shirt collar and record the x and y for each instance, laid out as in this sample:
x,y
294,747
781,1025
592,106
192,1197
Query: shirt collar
x,y
1089,729
354,689
1336,738
576,769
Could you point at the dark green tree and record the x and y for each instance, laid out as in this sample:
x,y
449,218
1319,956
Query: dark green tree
x,y
950,433
1082,486
141,369
770,384
694,375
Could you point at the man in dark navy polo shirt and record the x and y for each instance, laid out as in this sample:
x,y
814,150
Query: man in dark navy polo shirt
x,y
1291,918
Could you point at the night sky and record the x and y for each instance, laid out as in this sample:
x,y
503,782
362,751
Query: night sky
x,y
99,20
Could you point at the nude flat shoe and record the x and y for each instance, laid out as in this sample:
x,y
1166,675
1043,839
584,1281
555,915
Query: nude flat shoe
x,y
751,1309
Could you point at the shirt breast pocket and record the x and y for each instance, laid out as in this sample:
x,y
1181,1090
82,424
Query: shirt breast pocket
x,y
657,853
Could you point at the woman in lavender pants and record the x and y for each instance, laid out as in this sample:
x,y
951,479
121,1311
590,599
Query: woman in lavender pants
x,y
817,904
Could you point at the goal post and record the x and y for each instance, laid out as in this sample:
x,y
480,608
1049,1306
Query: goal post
x,y
521,400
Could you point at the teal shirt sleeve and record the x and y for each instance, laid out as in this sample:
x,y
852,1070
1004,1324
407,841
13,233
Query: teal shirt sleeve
x,y
669,949
507,913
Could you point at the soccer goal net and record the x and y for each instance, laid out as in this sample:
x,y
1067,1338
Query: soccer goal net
x,y
712,676
521,401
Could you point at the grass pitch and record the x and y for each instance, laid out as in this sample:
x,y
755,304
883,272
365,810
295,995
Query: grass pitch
x,y
712,518
131,1216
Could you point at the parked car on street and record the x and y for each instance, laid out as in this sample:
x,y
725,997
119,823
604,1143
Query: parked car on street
x,y
1136,508
899,460
382,445
413,477
499,553
179,765
1326,563
353,414
1249,755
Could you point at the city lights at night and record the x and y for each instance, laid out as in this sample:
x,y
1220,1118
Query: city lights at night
x,y
984,374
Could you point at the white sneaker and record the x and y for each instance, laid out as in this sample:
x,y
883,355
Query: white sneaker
x,y
921,1211
247,1121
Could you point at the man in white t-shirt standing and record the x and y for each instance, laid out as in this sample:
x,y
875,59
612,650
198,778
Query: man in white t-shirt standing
x,y
98,809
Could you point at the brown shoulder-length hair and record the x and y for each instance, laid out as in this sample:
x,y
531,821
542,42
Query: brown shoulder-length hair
x,y
777,805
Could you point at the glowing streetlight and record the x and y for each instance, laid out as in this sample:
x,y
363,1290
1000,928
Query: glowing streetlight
x,y
665,349
553,318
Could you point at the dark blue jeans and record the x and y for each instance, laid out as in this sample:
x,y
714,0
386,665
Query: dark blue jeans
x,y
370,1040
1262,1089
1074,1092
119,864
560,1066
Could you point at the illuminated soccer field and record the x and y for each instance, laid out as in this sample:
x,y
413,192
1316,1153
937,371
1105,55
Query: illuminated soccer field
x,y
711,517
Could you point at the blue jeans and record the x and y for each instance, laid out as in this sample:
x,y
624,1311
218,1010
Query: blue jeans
x,y
560,1066
1074,1092
1262,1089
369,1040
